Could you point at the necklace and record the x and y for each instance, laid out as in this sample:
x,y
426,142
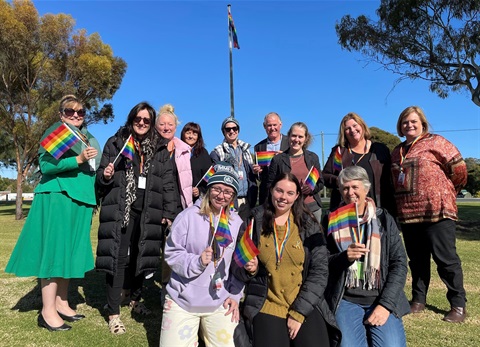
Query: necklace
x,y
280,244
365,151
295,158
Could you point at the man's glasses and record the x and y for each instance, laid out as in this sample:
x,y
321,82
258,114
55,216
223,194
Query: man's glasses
x,y
146,121
226,193
70,112
228,129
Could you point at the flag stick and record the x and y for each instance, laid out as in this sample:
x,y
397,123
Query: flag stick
x,y
201,179
216,226
124,145
73,132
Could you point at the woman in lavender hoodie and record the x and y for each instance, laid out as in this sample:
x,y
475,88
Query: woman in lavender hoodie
x,y
202,293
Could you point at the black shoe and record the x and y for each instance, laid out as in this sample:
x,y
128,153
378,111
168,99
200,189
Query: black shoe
x,y
71,319
43,324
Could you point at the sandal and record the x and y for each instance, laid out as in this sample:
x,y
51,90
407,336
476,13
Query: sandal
x,y
116,326
139,308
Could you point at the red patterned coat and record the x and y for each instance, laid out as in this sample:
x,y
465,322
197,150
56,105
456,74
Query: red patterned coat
x,y
434,171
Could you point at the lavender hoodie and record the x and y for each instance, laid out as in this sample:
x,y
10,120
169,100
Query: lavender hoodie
x,y
191,285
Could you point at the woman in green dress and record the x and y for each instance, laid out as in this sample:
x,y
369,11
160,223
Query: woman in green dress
x,y
54,244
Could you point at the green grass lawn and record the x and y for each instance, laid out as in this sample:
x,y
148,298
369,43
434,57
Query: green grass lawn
x,y
20,300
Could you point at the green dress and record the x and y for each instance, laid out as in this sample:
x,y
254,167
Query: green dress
x,y
55,240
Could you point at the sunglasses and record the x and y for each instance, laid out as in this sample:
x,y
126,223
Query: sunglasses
x,y
70,112
227,129
146,121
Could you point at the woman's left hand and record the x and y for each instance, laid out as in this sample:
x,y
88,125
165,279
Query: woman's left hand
x,y
378,317
195,192
232,306
293,327
306,190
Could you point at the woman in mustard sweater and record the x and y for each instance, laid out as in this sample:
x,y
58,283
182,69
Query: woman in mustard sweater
x,y
284,303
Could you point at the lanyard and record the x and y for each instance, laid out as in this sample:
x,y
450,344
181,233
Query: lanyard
x,y
403,157
364,153
280,247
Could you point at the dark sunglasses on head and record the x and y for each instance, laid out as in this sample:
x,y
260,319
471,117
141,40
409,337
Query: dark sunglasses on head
x,y
228,129
146,121
70,112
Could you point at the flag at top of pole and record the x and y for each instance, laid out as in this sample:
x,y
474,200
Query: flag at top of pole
x,y
233,32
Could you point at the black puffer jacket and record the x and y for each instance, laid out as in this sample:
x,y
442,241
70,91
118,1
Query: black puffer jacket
x,y
315,274
159,202
393,269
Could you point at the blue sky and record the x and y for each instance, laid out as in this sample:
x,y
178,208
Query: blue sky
x,y
289,62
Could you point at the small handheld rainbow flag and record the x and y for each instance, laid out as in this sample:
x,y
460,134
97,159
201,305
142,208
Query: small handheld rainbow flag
x,y
264,158
337,160
208,174
59,141
312,178
246,249
232,206
222,233
343,217
127,150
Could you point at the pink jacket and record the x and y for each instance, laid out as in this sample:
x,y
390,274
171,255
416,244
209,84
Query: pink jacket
x,y
185,179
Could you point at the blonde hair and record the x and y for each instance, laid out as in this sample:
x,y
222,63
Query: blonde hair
x,y
206,207
68,100
342,139
406,112
168,109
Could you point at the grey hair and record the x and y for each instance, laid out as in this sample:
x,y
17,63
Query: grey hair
x,y
354,173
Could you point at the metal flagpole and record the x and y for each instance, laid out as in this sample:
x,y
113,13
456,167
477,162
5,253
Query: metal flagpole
x,y
230,39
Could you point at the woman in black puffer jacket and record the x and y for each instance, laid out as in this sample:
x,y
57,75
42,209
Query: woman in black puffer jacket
x,y
137,198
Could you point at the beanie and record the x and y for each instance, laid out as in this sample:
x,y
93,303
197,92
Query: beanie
x,y
225,174
230,120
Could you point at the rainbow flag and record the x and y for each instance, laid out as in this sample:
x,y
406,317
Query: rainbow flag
x,y
312,178
222,234
208,174
246,249
343,217
128,148
232,206
233,31
337,160
264,158
59,141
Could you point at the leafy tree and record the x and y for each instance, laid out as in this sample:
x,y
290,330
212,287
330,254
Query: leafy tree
x,y
434,40
42,59
379,135
473,181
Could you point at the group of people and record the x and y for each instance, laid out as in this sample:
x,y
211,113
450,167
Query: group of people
x,y
307,285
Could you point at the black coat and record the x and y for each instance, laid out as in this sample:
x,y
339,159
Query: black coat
x,y
200,165
263,188
159,202
315,275
281,164
393,269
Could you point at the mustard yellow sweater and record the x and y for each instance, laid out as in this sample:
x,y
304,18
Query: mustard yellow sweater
x,y
284,280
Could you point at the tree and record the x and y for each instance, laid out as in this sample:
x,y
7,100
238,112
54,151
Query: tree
x,y
42,59
379,135
434,40
473,180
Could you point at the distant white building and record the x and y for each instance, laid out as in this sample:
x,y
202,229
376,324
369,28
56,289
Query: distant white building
x,y
13,196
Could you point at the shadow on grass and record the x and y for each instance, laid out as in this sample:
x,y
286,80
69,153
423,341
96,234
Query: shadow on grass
x,y
8,208
468,230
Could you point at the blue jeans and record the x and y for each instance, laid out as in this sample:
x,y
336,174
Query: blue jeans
x,y
355,333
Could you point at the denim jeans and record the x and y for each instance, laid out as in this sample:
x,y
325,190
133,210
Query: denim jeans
x,y
355,333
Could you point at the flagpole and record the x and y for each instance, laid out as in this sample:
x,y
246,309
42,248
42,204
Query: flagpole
x,y
230,39
358,223
74,134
